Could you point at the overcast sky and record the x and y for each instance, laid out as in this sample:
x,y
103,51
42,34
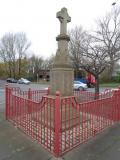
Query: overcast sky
x,y
37,18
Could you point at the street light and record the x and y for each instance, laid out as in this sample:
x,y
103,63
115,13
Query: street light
x,y
114,3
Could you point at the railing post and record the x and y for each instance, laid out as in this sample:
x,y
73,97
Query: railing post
x,y
118,99
116,106
29,94
6,102
119,104
48,91
8,92
30,98
57,125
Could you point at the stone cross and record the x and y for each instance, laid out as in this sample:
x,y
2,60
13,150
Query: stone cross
x,y
64,18
61,74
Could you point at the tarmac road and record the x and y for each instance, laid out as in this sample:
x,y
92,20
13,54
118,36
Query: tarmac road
x,y
25,87
22,86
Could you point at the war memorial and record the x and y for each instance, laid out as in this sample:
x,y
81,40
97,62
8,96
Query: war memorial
x,y
60,119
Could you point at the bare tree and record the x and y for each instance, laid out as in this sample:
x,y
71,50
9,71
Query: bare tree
x,y
94,60
35,65
90,55
22,45
77,40
12,50
48,62
108,35
8,52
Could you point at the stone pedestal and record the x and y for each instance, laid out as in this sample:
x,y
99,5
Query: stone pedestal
x,y
61,80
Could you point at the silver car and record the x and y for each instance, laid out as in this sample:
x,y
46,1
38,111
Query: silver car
x,y
23,81
79,86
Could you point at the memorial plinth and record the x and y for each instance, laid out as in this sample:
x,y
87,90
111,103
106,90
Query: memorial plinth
x,y
61,74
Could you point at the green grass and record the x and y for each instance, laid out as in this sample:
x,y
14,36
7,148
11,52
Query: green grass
x,y
112,84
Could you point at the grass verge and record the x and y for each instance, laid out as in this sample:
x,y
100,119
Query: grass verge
x,y
113,84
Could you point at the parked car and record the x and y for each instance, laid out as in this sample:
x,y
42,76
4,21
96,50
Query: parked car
x,y
83,80
79,86
11,80
23,81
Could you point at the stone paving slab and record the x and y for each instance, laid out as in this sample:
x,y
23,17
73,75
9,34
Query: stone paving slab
x,y
105,146
15,145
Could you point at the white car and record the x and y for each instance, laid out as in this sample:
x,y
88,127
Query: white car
x,y
23,81
79,86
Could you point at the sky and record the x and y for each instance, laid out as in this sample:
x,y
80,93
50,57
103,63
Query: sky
x,y
37,18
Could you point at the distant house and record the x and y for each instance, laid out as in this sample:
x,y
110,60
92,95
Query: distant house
x,y
44,74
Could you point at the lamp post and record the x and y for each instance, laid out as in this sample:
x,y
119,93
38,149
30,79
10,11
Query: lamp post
x,y
114,3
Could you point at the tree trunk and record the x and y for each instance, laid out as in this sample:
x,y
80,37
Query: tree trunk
x,y
97,87
10,70
19,69
111,71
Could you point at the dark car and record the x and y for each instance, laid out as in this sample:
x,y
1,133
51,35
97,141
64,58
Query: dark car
x,y
11,80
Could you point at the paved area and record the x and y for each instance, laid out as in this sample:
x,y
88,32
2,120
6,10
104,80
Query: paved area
x,y
103,147
15,145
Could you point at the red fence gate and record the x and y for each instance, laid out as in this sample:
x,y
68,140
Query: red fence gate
x,y
61,123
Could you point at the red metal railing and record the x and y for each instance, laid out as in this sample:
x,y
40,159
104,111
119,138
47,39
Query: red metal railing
x,y
35,95
61,123
85,120
85,96
36,119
